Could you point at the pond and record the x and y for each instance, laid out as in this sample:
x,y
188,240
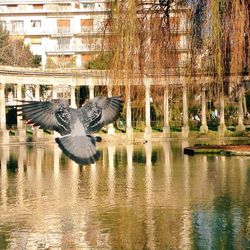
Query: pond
x,y
137,196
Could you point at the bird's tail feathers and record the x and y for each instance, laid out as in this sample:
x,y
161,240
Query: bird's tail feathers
x,y
81,149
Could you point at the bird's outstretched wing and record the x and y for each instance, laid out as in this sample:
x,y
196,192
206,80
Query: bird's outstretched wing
x,y
52,114
100,111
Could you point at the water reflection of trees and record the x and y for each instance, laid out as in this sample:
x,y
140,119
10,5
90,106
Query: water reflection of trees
x,y
166,200
222,227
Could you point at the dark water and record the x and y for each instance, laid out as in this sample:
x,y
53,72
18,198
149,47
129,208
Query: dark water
x,y
135,197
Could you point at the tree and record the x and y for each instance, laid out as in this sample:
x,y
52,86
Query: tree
x,y
14,52
101,62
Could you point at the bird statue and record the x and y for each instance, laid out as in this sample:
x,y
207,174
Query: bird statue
x,y
76,126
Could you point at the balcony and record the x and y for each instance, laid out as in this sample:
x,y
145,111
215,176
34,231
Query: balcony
x,y
71,49
14,7
63,30
29,32
86,29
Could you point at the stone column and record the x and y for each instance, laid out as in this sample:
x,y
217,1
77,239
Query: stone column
x,y
54,92
37,92
129,128
222,127
28,93
44,60
78,61
185,127
204,127
21,130
92,91
38,133
148,129
166,128
19,97
72,96
54,96
111,129
4,134
240,127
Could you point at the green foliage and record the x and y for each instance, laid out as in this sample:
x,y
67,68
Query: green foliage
x,y
101,62
14,52
36,60
4,239
3,36
51,64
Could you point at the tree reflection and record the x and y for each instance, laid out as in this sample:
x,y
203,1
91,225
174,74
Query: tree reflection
x,y
138,196
220,227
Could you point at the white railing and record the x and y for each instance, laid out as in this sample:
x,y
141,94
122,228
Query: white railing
x,y
63,30
74,48
49,6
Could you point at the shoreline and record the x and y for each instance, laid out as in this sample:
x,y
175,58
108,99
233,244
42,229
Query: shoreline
x,y
121,138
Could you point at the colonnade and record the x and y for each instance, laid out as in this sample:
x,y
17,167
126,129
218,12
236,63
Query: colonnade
x,y
21,130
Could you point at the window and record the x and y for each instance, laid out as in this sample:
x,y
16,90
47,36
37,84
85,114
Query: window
x,y
183,42
77,5
12,6
105,25
36,40
87,43
35,23
17,27
87,25
64,61
108,5
63,43
37,6
64,4
89,6
63,26
174,23
86,58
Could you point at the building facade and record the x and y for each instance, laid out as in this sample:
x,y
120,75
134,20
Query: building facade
x,y
64,33
69,33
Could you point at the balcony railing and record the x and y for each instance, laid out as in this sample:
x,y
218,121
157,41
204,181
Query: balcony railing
x,y
50,6
68,48
86,29
63,30
18,31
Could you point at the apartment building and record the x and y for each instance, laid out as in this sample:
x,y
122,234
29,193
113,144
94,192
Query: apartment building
x,y
69,33
177,39
65,33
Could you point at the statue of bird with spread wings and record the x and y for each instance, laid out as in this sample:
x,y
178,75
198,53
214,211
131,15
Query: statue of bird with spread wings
x,y
76,126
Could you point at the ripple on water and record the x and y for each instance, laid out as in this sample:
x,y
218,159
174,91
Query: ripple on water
x,y
136,197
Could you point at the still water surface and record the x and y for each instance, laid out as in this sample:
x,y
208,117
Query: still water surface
x,y
143,196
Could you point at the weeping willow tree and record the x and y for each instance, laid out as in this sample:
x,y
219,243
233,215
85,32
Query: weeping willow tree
x,y
144,41
229,28
239,63
239,35
220,35
218,40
